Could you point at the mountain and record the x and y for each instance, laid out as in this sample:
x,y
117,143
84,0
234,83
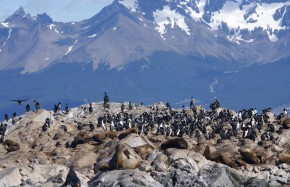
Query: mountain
x,y
151,50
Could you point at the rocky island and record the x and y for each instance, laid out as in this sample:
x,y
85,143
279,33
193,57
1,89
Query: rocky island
x,y
128,144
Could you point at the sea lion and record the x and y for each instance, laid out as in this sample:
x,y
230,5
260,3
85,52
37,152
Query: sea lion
x,y
284,157
286,123
116,161
72,179
213,156
249,156
263,155
79,139
99,137
10,145
178,143
111,134
228,160
131,163
127,132
144,150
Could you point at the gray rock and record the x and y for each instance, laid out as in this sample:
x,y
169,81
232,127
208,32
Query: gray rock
x,y
264,175
134,140
160,163
221,175
256,169
255,182
281,173
183,172
10,177
284,166
278,179
36,175
123,178
152,155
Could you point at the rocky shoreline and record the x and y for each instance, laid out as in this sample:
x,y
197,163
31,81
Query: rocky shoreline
x,y
77,138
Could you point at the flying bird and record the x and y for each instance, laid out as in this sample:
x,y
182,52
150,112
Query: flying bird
x,y
19,101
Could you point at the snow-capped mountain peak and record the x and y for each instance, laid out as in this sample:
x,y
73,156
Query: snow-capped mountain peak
x,y
249,17
235,16
223,29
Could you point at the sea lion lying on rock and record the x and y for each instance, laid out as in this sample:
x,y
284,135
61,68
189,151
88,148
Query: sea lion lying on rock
x,y
144,150
83,137
227,159
78,139
249,156
284,157
211,155
127,132
178,143
10,145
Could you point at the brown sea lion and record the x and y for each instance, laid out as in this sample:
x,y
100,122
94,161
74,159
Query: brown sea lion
x,y
78,139
112,134
116,161
286,123
241,163
213,156
127,132
249,156
72,179
100,137
10,145
228,160
178,143
263,155
144,150
284,157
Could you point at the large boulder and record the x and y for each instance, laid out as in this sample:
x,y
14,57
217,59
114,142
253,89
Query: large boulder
x,y
10,177
124,178
134,140
36,175
221,175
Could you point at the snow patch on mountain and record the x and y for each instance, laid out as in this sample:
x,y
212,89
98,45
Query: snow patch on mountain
x,y
92,36
130,4
5,24
249,17
166,17
51,26
237,37
197,16
9,34
87,27
70,48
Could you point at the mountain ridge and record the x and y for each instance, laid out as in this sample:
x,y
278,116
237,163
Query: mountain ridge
x,y
179,26
150,52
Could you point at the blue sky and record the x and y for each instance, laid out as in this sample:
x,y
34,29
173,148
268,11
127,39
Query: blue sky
x,y
58,10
